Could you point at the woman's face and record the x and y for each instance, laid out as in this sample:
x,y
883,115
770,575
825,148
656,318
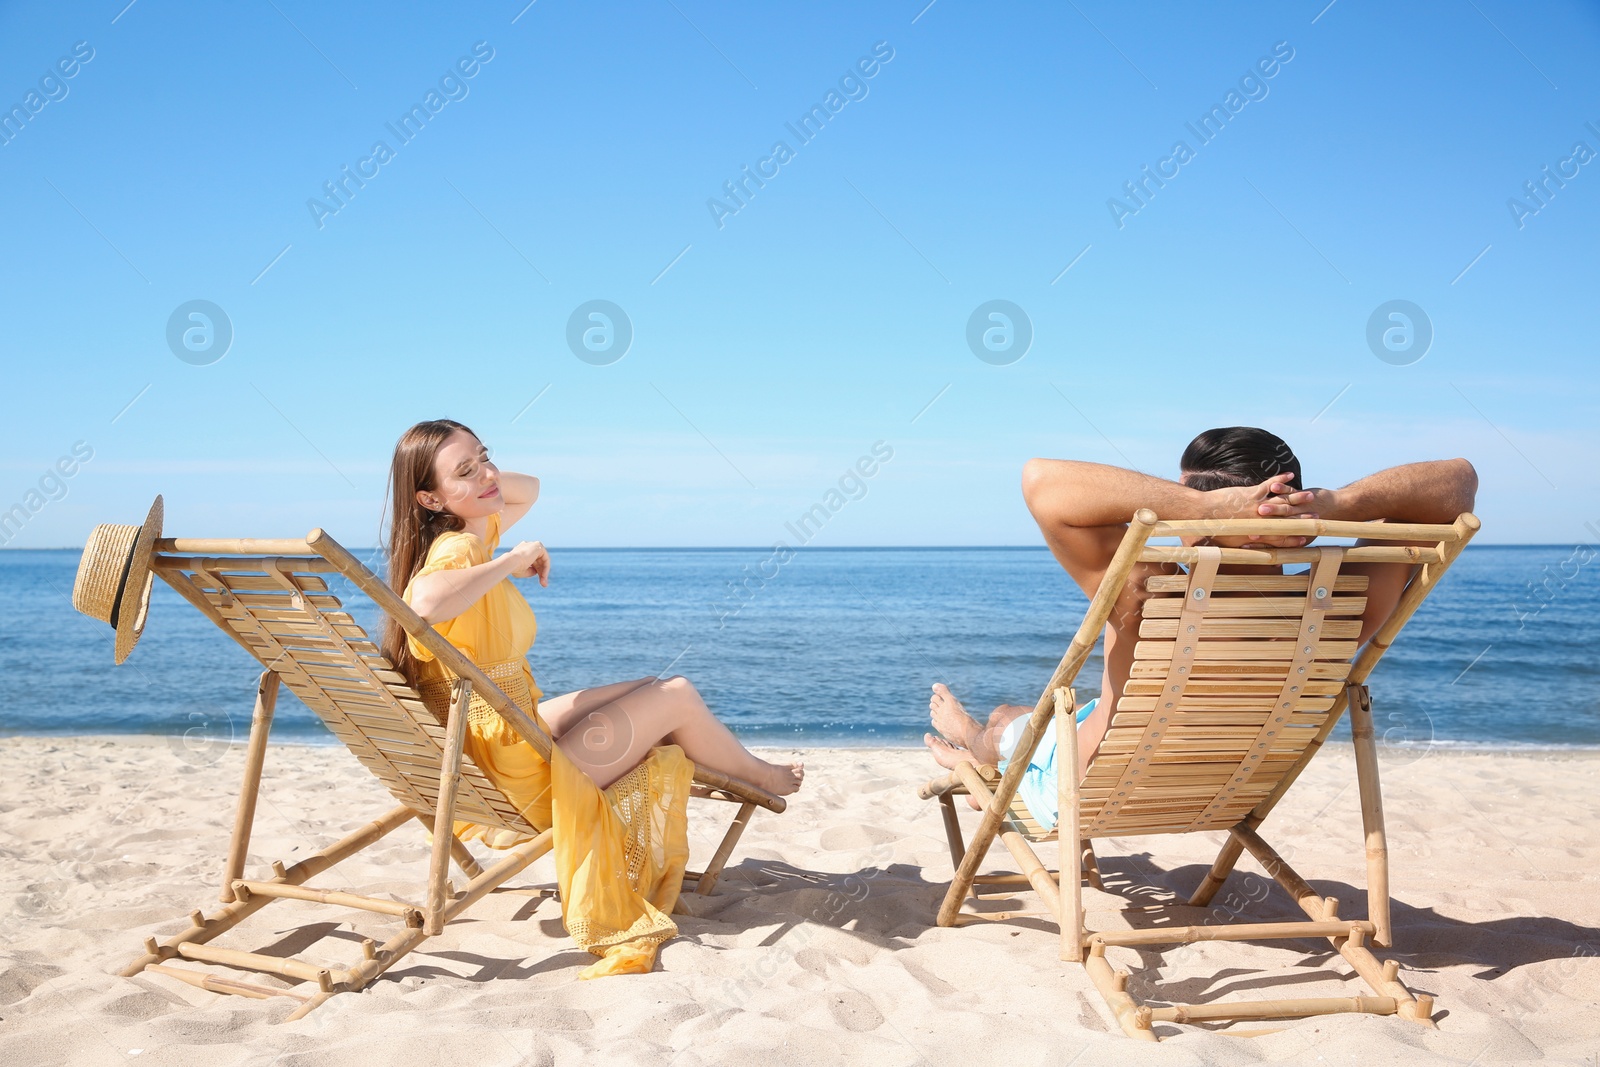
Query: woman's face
x,y
465,481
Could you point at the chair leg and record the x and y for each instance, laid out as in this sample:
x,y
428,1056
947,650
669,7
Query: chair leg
x,y
1382,976
967,869
1091,866
952,828
255,756
1069,840
203,928
995,803
708,880
1034,872
458,850
1231,851
1134,1018
1361,731
444,815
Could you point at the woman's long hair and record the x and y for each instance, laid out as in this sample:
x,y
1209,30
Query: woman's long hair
x,y
413,528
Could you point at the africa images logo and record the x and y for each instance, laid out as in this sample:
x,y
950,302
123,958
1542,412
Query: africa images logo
x,y
851,86
452,86
1252,86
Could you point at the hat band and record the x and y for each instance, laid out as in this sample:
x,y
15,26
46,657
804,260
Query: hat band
x,y
122,585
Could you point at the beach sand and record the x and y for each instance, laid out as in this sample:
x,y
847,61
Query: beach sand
x,y
819,945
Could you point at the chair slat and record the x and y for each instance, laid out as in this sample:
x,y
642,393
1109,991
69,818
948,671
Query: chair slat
x,y
1231,687
1247,607
291,621
1255,583
1244,651
1267,670
1205,724
1236,628
1252,702
261,583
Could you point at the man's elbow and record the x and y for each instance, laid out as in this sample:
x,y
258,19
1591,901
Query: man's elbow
x,y
1032,478
1041,484
1465,477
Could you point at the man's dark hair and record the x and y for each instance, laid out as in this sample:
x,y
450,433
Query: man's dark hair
x,y
1234,456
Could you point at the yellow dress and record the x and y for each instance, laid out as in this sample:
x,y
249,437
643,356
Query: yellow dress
x,y
620,852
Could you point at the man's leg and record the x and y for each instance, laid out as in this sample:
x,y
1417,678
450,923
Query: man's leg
x,y
959,730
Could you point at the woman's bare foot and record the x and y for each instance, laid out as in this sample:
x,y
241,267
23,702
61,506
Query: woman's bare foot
x,y
781,779
950,718
945,754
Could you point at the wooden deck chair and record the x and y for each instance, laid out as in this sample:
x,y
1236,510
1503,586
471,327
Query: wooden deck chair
x,y
270,596
1229,697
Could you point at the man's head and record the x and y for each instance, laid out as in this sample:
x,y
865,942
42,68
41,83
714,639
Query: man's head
x,y
1236,456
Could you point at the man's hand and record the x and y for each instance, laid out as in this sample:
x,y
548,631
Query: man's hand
x,y
1275,497
532,561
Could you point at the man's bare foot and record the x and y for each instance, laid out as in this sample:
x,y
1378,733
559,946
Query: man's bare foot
x,y
950,718
781,779
945,754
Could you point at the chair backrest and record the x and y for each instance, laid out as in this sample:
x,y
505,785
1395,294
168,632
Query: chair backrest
x,y
1236,678
1233,676
281,610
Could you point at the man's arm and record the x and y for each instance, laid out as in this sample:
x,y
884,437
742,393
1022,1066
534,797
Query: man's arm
x,y
1437,491
1080,494
1083,508
1433,492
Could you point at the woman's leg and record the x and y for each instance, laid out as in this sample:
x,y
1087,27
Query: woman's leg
x,y
559,713
608,739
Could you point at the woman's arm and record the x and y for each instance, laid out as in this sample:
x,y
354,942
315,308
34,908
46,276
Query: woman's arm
x,y
442,595
519,491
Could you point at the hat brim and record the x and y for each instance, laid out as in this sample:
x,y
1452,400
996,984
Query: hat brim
x,y
135,603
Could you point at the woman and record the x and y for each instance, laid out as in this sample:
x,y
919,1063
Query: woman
x,y
635,739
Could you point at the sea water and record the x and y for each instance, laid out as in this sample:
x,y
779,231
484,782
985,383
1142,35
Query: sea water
x,y
831,647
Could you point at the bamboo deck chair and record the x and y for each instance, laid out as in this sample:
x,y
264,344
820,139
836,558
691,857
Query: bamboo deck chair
x,y
270,596
1228,700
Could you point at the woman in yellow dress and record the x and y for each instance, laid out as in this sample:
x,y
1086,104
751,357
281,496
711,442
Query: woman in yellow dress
x,y
617,784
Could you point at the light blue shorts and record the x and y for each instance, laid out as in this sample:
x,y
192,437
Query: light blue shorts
x,y
1039,786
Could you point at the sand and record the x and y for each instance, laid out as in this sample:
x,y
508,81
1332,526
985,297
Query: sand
x,y
819,945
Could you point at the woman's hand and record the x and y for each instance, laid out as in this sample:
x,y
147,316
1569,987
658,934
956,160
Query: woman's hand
x,y
532,561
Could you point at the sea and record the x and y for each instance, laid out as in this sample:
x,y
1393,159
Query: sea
x,y
827,647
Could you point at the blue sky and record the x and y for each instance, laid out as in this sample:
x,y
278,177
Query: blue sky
x,y
830,312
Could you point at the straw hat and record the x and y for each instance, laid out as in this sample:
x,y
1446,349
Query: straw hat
x,y
115,572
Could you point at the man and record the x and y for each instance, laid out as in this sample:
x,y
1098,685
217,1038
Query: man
x,y
1230,473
